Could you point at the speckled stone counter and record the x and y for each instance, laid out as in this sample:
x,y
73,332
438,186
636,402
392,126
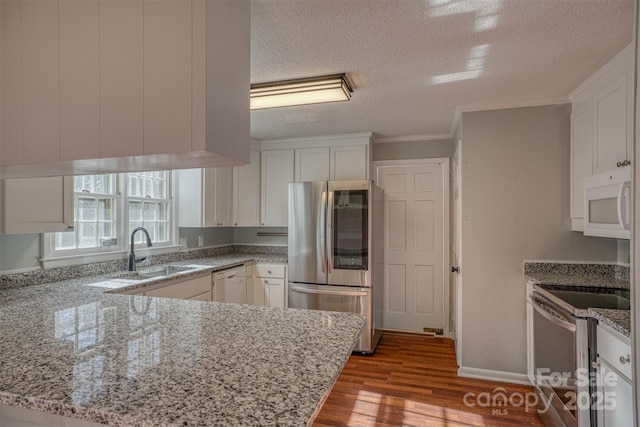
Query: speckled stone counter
x,y
570,274
69,348
619,320
614,278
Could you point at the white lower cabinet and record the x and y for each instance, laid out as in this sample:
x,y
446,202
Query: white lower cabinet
x,y
230,286
268,285
195,289
614,396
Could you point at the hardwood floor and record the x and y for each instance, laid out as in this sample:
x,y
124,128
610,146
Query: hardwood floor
x,y
412,381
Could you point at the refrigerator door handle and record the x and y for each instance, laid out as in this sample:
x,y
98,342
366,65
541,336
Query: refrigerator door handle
x,y
321,225
304,290
329,234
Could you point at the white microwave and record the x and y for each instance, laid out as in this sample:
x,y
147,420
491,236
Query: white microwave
x,y
607,204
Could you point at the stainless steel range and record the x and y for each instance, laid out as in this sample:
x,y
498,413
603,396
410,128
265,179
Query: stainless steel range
x,y
565,349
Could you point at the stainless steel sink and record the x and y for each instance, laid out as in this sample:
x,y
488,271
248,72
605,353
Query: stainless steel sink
x,y
152,273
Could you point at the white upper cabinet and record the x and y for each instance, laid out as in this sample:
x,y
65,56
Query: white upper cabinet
x,y
312,164
276,174
350,162
246,192
601,126
36,205
204,197
118,86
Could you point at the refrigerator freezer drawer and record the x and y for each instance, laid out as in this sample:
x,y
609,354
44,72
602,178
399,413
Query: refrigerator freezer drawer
x,y
337,298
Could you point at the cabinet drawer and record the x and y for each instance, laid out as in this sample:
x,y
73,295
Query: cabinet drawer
x,y
229,274
616,349
183,290
269,270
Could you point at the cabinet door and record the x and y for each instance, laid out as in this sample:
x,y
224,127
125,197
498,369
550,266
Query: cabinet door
x,y
121,78
246,192
222,197
312,164
616,391
258,291
37,205
277,173
349,162
217,197
581,162
611,117
274,293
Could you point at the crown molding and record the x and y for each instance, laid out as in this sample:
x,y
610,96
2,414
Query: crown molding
x,y
412,138
620,59
361,135
504,106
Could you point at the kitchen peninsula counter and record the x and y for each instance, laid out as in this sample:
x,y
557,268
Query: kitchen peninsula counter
x,y
71,349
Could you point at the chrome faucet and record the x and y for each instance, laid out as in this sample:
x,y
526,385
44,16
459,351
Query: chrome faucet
x,y
132,254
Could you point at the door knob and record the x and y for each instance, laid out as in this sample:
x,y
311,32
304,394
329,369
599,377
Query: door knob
x,y
455,269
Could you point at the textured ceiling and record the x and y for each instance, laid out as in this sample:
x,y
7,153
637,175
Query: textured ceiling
x,y
412,62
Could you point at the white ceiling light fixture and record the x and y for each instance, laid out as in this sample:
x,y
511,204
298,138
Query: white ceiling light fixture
x,y
309,90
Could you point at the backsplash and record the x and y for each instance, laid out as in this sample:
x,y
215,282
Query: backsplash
x,y
77,271
577,269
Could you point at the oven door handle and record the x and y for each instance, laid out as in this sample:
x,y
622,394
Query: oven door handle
x,y
550,317
328,292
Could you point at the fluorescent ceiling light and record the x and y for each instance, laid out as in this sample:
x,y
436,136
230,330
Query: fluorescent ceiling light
x,y
310,90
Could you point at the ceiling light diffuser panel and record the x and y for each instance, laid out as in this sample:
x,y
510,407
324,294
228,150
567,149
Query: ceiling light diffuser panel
x,y
310,90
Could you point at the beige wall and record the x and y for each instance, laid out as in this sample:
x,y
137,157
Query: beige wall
x,y
413,150
515,206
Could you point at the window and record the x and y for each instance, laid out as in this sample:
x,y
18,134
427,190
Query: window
x,y
94,212
109,206
147,195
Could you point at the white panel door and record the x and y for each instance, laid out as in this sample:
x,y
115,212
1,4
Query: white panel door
x,y
414,247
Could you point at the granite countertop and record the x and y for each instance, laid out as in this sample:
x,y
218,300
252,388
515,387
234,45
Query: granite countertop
x,y
585,281
619,320
612,278
71,349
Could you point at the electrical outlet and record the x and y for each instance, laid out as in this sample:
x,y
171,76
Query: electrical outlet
x,y
200,241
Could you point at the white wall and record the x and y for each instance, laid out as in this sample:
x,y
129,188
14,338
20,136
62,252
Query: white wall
x,y
515,206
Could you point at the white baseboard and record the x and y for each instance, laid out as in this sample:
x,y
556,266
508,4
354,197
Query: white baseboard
x,y
486,374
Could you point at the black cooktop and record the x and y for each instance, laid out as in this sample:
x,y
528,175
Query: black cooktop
x,y
584,297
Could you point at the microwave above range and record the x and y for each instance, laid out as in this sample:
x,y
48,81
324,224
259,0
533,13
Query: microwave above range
x,y
607,204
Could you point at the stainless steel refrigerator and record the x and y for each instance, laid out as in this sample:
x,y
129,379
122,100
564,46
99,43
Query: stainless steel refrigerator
x,y
336,251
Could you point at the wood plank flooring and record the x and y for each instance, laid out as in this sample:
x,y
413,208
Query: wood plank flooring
x,y
412,381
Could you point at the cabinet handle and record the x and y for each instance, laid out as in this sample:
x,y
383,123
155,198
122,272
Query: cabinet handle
x,y
235,223
455,269
595,365
70,227
269,272
626,360
623,163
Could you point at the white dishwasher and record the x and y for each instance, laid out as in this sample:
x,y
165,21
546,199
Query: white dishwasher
x,y
230,285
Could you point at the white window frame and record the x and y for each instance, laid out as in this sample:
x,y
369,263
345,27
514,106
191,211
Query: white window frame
x,y
58,258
